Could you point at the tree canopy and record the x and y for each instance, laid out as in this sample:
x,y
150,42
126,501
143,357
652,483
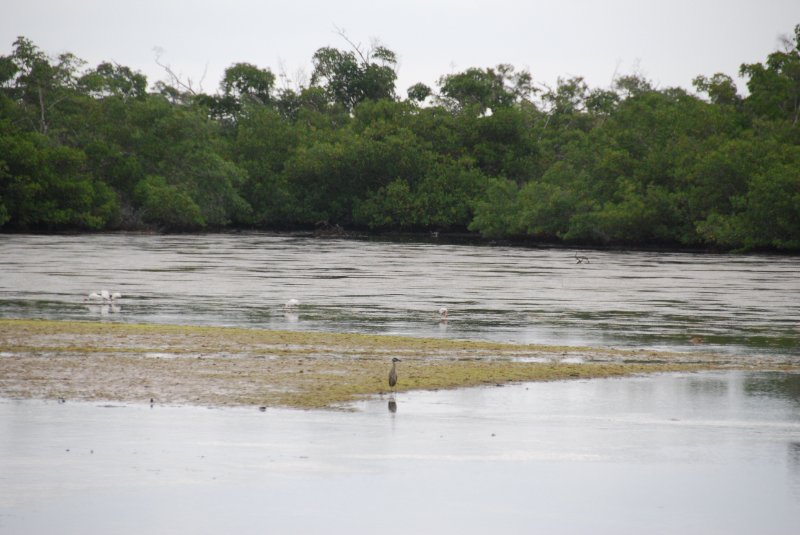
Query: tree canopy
x,y
488,150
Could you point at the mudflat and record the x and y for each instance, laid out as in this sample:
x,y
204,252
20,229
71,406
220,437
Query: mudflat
x,y
220,366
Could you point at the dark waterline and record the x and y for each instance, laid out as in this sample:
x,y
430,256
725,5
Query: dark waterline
x,y
746,304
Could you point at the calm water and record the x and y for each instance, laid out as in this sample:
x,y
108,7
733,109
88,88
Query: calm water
x,y
704,454
744,304
707,453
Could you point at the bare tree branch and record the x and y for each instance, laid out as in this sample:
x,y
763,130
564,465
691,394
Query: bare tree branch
x,y
356,47
175,78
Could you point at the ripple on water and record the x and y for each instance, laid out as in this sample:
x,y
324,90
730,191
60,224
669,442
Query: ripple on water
x,y
743,303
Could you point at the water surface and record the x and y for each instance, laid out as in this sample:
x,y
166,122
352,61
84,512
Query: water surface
x,y
708,453
681,453
746,304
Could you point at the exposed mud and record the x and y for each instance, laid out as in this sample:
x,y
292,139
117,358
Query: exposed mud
x,y
237,367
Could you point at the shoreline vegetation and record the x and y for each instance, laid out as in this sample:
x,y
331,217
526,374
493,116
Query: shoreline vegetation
x,y
490,151
235,367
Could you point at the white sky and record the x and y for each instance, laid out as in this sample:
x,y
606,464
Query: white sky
x,y
668,42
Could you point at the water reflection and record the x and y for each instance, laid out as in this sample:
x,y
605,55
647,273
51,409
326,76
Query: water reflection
x,y
743,304
392,405
786,386
708,386
793,451
103,310
630,453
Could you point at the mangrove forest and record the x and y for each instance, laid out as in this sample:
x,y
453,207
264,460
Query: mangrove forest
x,y
489,151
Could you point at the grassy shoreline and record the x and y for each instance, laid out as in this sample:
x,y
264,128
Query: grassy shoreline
x,y
223,366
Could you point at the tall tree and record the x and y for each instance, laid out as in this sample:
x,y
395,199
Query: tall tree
x,y
246,81
485,89
720,89
109,79
775,85
37,83
350,77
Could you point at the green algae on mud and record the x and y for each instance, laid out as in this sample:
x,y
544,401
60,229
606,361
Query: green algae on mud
x,y
222,366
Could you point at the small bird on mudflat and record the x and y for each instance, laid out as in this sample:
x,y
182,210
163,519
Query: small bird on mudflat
x,y
393,373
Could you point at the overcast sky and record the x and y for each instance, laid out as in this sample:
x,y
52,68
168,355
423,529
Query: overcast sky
x,y
669,42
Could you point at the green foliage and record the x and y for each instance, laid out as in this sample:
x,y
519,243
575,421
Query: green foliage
x,y
167,206
329,177
244,80
5,217
772,208
351,77
547,207
775,85
503,145
93,149
45,187
497,214
419,92
441,200
720,88
41,86
264,142
480,90
766,216
107,80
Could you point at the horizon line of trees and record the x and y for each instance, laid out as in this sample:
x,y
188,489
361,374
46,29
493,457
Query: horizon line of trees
x,y
486,151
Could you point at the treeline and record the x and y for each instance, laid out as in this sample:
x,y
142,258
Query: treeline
x,y
487,151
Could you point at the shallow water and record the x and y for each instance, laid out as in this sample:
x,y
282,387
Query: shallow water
x,y
696,453
745,304
680,453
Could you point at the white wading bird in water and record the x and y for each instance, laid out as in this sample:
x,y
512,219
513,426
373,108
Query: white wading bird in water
x,y
291,304
104,296
443,313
